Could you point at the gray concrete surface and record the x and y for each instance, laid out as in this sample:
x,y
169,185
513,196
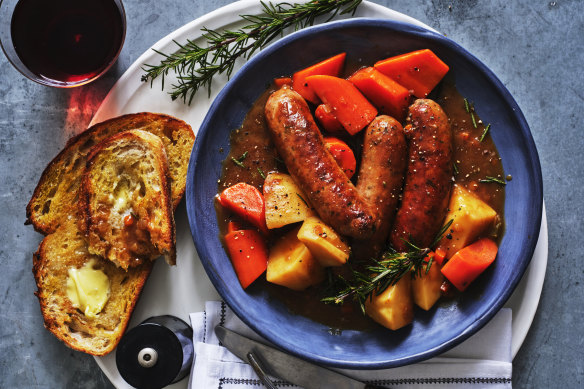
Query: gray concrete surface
x,y
535,47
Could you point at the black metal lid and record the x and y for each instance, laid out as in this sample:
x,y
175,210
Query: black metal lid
x,y
155,353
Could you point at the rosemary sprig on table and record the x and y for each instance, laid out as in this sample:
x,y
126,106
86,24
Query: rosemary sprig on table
x,y
384,272
196,65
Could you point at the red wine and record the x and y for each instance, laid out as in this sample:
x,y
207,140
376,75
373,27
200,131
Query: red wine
x,y
67,40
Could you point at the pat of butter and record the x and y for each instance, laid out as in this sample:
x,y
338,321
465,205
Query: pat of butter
x,y
120,203
121,195
88,288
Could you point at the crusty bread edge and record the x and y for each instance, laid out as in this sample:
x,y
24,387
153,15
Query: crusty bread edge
x,y
52,326
45,230
85,189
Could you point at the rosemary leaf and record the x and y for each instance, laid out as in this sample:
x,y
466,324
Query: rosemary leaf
x,y
496,180
301,198
485,131
474,122
440,233
261,173
196,65
237,162
466,107
430,262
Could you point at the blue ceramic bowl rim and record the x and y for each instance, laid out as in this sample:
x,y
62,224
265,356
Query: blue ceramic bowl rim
x,y
536,205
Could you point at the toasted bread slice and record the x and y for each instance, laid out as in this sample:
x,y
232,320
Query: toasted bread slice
x,y
55,198
66,249
126,210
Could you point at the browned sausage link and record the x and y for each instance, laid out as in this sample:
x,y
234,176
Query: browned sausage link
x,y
381,176
429,177
301,146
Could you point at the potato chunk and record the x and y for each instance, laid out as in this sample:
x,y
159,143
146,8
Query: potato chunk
x,y
393,308
472,217
291,264
285,201
324,243
426,288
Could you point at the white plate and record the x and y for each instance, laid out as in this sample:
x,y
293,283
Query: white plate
x,y
184,288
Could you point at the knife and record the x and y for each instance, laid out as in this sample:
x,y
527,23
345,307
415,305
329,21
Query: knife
x,y
287,367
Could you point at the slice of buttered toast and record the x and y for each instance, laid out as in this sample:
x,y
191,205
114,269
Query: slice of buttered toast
x,y
56,195
58,261
125,205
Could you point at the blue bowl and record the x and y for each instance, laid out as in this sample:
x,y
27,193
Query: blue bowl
x,y
432,332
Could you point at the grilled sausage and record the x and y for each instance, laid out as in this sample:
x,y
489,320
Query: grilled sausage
x,y
301,146
381,176
429,177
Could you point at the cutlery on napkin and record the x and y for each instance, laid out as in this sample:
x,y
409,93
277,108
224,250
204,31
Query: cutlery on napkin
x,y
482,361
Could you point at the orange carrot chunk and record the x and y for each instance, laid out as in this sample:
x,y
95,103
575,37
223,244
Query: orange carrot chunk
x,y
233,226
331,67
348,105
387,95
439,255
419,71
466,265
249,255
281,81
247,202
342,154
325,117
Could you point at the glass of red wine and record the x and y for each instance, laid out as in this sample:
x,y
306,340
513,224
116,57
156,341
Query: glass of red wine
x,y
62,43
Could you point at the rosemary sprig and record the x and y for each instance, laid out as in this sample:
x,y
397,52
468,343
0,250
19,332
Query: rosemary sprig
x,y
384,272
496,180
474,122
469,108
239,161
485,131
196,65
379,276
466,106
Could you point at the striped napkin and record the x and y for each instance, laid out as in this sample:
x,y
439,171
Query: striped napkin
x,y
482,361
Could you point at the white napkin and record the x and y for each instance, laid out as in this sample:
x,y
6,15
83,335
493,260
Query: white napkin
x,y
482,361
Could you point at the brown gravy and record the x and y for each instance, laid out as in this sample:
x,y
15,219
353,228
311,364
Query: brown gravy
x,y
474,161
